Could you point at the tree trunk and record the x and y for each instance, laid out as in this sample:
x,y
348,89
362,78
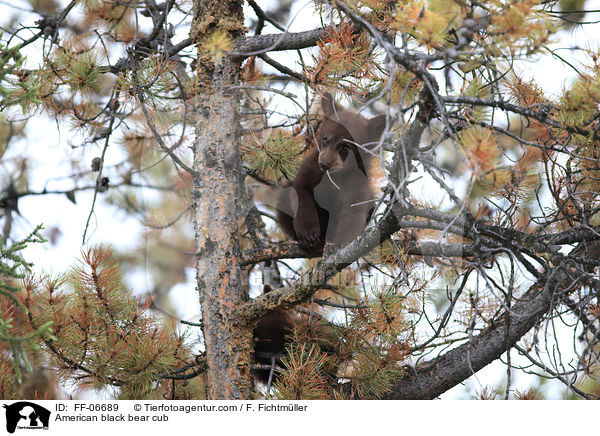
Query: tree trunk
x,y
217,193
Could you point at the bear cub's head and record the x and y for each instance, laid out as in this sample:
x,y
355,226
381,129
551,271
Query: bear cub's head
x,y
342,136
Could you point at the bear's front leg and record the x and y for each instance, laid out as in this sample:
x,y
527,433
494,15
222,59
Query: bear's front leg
x,y
306,221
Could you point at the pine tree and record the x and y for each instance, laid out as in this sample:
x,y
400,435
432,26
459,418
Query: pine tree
x,y
484,235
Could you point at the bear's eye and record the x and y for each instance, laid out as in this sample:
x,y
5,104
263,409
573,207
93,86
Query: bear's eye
x,y
324,141
345,148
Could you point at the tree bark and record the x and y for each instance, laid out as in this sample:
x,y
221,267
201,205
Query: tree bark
x,y
217,194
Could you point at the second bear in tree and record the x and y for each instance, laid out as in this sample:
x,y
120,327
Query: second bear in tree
x,y
333,209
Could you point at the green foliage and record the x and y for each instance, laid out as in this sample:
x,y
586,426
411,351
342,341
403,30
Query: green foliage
x,y
276,156
15,86
8,382
84,75
346,60
13,267
405,88
103,336
385,315
217,44
576,9
579,104
374,371
377,341
155,79
303,377
369,351
476,88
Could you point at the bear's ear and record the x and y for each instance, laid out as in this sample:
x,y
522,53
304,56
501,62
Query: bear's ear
x,y
328,105
376,126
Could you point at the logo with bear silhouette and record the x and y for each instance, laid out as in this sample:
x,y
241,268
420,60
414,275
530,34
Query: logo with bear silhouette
x,y
26,415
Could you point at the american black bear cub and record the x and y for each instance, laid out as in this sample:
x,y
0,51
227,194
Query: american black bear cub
x,y
321,209
317,209
270,339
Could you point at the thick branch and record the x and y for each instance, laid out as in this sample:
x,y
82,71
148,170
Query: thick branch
x,y
286,250
437,376
313,280
291,250
245,46
257,44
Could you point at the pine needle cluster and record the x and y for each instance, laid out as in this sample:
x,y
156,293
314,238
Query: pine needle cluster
x,y
361,358
13,342
15,86
481,149
303,376
345,60
275,155
102,335
155,80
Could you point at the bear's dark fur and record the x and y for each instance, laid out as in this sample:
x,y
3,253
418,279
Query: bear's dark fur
x,y
270,338
319,208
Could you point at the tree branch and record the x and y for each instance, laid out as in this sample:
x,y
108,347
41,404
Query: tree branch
x,y
258,44
313,280
283,69
291,250
433,378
